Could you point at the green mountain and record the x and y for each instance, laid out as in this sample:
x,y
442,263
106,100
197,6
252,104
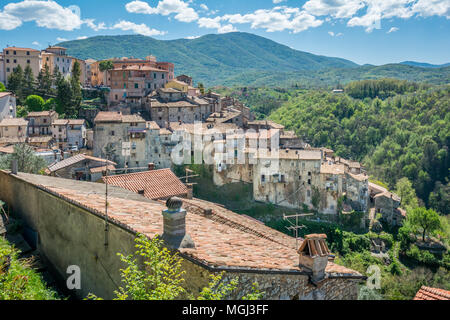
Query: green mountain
x,y
424,64
240,58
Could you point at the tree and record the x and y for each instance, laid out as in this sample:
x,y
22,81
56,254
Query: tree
x,y
426,221
28,81
27,161
34,103
440,198
64,97
154,272
2,87
201,88
15,83
44,81
405,190
106,65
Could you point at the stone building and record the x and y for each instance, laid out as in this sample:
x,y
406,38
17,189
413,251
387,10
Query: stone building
x,y
121,138
186,79
7,105
80,167
77,133
172,105
40,123
208,238
13,128
59,131
387,203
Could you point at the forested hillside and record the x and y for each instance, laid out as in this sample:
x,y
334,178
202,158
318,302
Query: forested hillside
x,y
405,134
240,58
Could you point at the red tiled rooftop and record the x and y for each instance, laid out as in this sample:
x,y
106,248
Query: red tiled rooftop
x,y
222,238
427,293
156,184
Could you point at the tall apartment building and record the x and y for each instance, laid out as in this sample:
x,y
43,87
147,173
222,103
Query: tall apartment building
x,y
56,57
13,57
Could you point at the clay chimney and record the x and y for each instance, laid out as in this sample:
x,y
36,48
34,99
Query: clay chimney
x,y
313,255
174,227
190,190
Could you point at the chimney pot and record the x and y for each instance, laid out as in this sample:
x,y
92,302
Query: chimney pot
x,y
314,255
174,227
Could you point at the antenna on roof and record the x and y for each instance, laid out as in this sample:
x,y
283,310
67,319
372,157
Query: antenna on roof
x,y
295,226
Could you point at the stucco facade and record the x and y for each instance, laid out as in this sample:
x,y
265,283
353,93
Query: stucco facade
x,y
7,105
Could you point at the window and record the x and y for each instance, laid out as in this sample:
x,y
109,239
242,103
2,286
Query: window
x,y
112,133
28,61
154,76
15,61
7,52
308,193
263,178
162,76
8,69
28,53
136,86
309,181
7,60
45,120
124,85
15,52
117,97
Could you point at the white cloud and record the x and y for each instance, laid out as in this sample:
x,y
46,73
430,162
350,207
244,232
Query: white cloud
x,y
82,38
275,19
334,8
227,28
331,33
96,27
61,39
183,12
142,29
370,13
393,29
47,14
192,37
278,1
204,7
35,43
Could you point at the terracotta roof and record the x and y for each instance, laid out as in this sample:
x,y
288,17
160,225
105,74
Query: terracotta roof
x,y
326,168
40,139
15,140
20,49
222,238
101,169
60,122
132,118
77,121
138,68
4,94
358,177
288,154
152,125
108,116
427,293
8,122
8,150
156,184
173,104
73,160
41,114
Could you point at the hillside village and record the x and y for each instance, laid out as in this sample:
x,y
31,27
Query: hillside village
x,y
150,118
146,105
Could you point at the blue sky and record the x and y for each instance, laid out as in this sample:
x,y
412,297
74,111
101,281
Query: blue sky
x,y
364,31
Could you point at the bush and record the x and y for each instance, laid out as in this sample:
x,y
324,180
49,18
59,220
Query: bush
x,y
34,103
